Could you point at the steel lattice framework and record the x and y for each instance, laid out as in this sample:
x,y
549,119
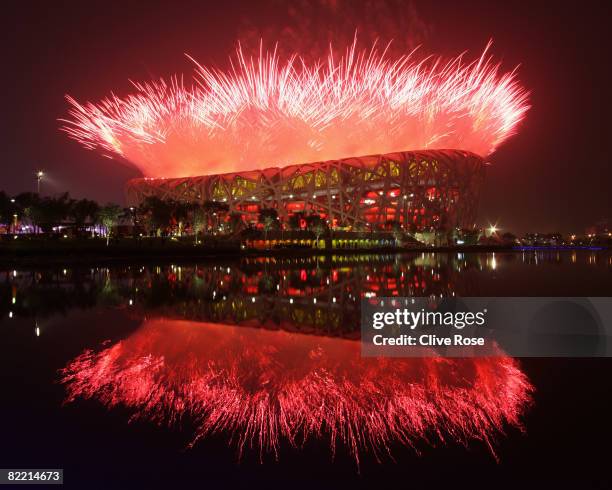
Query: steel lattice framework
x,y
427,190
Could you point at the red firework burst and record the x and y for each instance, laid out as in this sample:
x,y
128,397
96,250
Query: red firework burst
x,y
265,112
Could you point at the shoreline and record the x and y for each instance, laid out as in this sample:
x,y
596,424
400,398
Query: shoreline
x,y
120,253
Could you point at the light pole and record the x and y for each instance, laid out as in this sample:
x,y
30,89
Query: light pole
x,y
39,176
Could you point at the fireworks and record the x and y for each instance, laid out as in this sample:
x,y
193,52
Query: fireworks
x,y
259,387
265,112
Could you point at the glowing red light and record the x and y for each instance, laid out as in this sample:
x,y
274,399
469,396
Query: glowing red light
x,y
271,113
260,386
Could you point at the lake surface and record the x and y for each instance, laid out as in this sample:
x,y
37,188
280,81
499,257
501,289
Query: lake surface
x,y
248,372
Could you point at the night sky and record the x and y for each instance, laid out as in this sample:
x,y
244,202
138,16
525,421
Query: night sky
x,y
554,175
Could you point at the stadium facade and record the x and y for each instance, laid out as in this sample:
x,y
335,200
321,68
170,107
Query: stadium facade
x,y
422,191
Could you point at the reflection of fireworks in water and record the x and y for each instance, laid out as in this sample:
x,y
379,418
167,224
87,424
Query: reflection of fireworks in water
x,y
265,112
259,386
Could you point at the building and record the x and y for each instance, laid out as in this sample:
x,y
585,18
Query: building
x,y
417,191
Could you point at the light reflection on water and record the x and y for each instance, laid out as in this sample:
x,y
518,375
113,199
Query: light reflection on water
x,y
302,293
264,350
259,386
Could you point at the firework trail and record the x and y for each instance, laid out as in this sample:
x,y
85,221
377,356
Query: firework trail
x,y
260,387
264,112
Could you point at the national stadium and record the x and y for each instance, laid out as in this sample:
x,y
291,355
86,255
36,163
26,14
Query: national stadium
x,y
288,136
420,190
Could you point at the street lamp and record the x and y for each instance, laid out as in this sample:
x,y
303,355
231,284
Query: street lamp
x,y
39,176
493,229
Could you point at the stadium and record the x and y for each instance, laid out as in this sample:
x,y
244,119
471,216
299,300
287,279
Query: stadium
x,y
419,190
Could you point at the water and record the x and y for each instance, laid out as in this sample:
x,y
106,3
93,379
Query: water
x,y
163,374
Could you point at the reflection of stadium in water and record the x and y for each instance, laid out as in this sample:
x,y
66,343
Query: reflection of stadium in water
x,y
317,293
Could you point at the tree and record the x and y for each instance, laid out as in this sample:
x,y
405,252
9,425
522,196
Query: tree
x,y
213,210
109,218
83,209
509,237
317,225
158,211
235,222
25,202
179,212
396,230
199,220
142,216
295,220
48,211
131,214
222,208
268,217
209,208
6,210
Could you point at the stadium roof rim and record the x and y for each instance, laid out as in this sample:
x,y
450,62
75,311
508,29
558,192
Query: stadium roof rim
x,y
396,155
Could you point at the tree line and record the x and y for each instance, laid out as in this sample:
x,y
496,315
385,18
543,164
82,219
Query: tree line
x,y
162,218
153,217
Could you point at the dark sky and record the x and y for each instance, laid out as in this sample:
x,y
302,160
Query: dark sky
x,y
554,175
